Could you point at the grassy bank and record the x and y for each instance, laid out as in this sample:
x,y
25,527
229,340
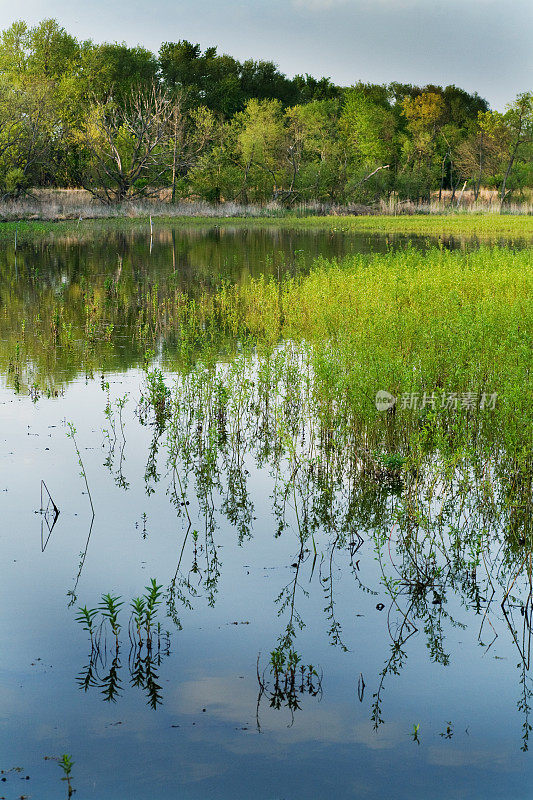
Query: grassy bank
x,y
487,226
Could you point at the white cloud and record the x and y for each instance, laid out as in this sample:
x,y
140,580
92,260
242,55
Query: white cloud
x,y
319,5
392,5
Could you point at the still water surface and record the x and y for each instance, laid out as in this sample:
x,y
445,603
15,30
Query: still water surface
x,y
199,714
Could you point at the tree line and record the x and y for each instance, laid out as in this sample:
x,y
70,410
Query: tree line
x,y
124,123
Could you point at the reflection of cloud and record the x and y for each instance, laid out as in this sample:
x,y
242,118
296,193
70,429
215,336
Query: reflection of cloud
x,y
201,770
455,757
392,5
220,695
318,5
233,701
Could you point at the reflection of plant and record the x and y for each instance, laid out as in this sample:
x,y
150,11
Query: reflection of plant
x,y
152,602
71,433
426,492
289,681
147,644
111,434
524,704
156,399
415,733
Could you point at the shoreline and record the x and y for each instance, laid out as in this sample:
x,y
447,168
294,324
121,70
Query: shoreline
x,y
484,225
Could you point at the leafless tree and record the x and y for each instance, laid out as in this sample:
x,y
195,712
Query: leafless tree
x,y
129,145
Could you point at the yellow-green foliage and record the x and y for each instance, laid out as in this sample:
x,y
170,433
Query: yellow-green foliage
x,y
406,321
439,322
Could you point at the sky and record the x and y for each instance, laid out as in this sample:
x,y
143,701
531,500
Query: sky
x,y
479,45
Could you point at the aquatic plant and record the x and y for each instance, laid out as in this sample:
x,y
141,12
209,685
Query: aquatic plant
x,y
86,617
289,682
152,601
148,643
65,763
110,607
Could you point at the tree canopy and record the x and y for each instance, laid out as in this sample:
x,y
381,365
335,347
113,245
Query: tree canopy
x,y
123,121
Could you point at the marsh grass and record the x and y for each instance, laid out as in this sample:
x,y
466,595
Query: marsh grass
x,y
443,492
473,223
434,325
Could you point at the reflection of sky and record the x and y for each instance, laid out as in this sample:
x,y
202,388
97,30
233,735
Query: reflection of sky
x,y
128,750
480,45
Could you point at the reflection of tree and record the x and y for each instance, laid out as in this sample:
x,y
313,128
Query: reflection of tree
x,y
447,522
91,300
87,302
456,534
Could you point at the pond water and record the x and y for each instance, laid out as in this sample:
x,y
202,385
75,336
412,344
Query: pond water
x,y
393,694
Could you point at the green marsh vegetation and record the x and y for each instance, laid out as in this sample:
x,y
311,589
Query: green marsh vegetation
x,y
57,324
432,324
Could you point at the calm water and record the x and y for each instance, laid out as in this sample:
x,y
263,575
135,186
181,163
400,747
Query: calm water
x,y
199,714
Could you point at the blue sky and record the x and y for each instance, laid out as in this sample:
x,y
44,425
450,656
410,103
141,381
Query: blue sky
x,y
480,45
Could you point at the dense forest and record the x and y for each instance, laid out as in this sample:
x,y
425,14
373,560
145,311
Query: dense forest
x,y
124,123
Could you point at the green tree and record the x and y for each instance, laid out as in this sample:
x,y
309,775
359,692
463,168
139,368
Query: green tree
x,y
116,70
424,115
310,88
260,147
27,116
312,131
207,78
44,51
518,125
479,154
367,137
262,80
